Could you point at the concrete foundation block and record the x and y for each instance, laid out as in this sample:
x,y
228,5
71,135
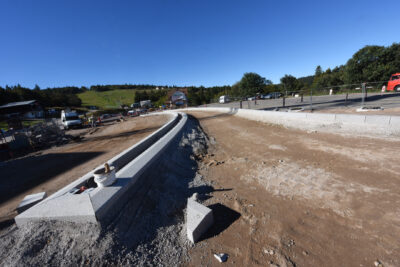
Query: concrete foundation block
x,y
30,200
198,220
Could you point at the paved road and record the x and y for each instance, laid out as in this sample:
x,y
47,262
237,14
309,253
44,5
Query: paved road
x,y
386,100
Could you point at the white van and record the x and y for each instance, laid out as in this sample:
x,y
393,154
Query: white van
x,y
70,119
223,99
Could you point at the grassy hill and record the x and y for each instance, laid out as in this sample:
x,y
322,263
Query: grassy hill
x,y
107,99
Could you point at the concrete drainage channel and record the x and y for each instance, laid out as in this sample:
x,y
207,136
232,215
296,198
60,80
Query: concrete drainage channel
x,y
101,204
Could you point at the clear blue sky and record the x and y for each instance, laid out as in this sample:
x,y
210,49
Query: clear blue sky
x,y
183,42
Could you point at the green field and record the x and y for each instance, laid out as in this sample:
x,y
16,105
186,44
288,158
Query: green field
x,y
107,99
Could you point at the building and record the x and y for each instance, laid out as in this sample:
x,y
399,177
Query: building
x,y
24,109
177,98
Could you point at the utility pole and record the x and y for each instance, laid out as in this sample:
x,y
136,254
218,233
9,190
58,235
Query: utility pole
x,y
363,94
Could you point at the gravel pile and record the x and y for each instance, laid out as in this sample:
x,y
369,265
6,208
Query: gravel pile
x,y
154,235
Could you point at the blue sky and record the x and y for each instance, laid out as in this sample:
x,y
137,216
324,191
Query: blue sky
x,y
183,42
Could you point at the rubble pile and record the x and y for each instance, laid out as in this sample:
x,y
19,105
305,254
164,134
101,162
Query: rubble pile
x,y
46,134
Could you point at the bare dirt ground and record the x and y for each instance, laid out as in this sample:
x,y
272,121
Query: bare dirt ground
x,y
280,197
50,170
285,197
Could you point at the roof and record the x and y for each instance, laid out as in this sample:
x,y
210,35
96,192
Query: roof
x,y
16,104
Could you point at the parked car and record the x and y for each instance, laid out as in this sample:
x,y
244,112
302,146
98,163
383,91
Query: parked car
x,y
133,113
394,83
251,98
273,95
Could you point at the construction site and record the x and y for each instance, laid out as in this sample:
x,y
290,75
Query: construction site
x,y
201,186
199,133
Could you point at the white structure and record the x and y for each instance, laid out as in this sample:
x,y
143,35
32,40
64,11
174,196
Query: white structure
x,y
70,119
199,219
223,99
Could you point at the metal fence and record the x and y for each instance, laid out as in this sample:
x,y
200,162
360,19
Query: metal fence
x,y
361,95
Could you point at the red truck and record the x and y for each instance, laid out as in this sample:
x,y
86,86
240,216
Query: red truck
x,y
394,83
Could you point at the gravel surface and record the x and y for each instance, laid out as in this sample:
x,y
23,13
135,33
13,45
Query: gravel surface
x,y
154,235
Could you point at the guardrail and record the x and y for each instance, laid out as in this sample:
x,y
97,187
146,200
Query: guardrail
x,y
100,205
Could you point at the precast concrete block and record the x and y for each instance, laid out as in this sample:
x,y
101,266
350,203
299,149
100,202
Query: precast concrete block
x,y
199,219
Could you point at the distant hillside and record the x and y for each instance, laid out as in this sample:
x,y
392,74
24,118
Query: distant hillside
x,y
107,99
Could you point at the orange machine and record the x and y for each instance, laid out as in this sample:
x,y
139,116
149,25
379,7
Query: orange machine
x,y
394,83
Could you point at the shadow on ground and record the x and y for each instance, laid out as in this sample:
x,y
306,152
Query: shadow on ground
x,y
123,134
22,174
223,218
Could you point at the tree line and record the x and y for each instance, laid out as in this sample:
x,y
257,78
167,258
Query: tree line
x,y
369,64
50,97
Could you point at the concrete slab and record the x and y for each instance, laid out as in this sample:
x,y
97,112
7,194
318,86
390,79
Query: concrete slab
x,y
199,219
72,208
101,205
30,200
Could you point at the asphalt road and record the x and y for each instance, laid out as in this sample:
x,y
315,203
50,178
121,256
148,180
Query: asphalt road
x,y
385,100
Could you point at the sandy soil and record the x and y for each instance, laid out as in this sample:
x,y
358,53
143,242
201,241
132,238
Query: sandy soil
x,y
51,169
280,197
285,197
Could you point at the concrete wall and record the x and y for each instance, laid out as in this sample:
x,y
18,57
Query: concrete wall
x,y
102,204
345,123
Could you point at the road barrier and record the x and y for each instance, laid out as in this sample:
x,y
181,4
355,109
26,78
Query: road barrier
x,y
346,123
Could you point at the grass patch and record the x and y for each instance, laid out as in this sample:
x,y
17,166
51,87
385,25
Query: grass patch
x,y
109,99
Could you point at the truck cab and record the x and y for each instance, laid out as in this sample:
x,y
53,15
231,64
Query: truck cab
x,y
394,83
223,99
70,119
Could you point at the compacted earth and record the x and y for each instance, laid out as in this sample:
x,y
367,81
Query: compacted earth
x,y
280,197
285,197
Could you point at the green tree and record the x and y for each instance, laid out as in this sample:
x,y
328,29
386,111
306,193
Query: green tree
x,y
252,83
289,82
318,71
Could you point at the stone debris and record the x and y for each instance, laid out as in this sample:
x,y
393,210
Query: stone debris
x,y
47,134
269,251
377,263
221,257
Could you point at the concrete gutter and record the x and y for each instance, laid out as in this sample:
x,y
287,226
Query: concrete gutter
x,y
102,204
344,123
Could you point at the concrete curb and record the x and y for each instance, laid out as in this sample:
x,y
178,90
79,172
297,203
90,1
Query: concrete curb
x,y
346,123
101,204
